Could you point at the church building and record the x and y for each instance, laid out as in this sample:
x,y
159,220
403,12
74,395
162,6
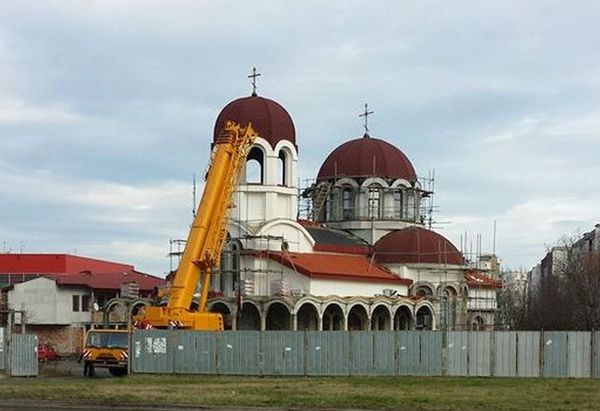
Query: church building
x,y
361,258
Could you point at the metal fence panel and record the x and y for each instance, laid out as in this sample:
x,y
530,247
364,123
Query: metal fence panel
x,y
152,351
596,360
283,352
328,353
361,352
239,352
479,353
431,352
195,352
505,354
408,349
2,351
579,354
23,355
528,353
384,353
457,349
555,354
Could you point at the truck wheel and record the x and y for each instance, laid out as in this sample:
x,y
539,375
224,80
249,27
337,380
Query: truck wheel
x,y
91,370
117,371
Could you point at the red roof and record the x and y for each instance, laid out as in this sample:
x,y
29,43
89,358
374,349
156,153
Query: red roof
x,y
337,267
413,245
478,280
367,157
55,263
270,120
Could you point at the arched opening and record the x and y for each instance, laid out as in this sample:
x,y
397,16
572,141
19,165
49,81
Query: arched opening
x,y
380,319
423,291
403,319
398,212
224,310
347,203
249,318
478,323
115,312
255,166
282,168
358,319
138,307
308,318
278,317
333,318
424,318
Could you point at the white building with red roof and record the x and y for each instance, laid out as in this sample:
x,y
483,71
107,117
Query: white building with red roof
x,y
57,292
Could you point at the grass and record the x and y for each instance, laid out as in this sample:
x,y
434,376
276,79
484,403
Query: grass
x,y
382,393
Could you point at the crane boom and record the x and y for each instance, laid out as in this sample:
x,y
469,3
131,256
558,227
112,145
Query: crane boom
x,y
206,237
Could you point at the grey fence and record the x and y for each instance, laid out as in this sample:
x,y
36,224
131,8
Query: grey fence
x,y
2,350
331,353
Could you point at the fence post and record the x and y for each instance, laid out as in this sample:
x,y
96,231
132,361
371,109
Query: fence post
x,y
542,352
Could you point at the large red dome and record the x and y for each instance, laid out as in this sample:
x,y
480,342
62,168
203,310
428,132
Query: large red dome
x,y
270,120
367,157
416,245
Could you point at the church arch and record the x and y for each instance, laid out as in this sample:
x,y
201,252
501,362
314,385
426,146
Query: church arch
x,y
333,318
358,319
284,163
249,317
381,318
225,311
424,317
278,316
255,166
403,319
307,317
401,183
422,289
478,323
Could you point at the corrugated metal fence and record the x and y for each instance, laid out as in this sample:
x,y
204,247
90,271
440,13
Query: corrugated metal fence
x,y
18,354
330,353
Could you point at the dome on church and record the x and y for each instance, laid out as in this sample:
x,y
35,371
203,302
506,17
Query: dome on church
x,y
415,244
367,157
270,120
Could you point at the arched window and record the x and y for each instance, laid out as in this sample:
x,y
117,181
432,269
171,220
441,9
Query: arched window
x,y
255,166
398,204
347,203
282,168
374,202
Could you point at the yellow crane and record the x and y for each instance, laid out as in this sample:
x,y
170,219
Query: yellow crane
x,y
206,237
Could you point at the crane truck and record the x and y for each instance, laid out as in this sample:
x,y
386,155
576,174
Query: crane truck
x,y
202,252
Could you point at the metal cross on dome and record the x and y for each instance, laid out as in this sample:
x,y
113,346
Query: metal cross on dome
x,y
254,75
366,115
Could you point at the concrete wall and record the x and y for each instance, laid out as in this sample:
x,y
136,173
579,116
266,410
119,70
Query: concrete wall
x,y
47,304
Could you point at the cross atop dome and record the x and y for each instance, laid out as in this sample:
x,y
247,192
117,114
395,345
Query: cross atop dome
x,y
254,75
366,115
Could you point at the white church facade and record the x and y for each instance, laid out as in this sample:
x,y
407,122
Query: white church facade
x,y
363,260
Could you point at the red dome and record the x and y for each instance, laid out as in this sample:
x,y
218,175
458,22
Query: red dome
x,y
270,120
366,157
416,245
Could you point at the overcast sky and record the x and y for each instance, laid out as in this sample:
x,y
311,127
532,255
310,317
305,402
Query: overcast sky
x,y
107,109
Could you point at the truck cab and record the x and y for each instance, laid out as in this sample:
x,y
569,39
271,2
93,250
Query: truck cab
x,y
105,348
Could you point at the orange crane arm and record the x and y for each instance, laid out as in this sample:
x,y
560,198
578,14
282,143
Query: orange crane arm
x,y
207,235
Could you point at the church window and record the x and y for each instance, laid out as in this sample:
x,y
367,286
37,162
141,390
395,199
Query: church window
x,y
347,204
374,202
282,168
255,166
398,203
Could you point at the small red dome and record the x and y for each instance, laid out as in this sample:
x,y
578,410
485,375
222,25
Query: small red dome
x,y
416,245
367,157
270,120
